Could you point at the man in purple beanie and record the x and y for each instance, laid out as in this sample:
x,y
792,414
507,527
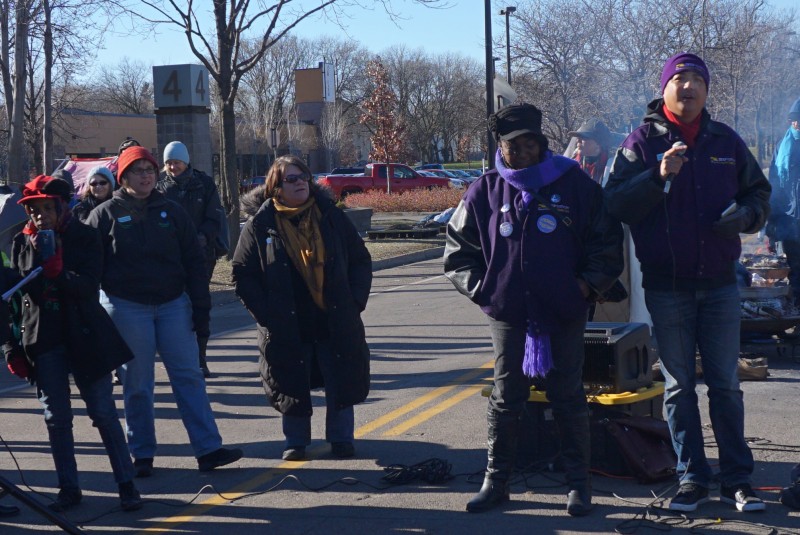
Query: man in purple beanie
x,y
688,186
531,243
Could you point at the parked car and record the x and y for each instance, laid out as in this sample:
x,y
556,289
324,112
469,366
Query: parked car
x,y
347,171
248,184
473,172
427,166
454,182
377,176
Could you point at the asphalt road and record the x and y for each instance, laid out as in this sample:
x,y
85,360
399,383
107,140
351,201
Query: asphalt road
x,y
431,357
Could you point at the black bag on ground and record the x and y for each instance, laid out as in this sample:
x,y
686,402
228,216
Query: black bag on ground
x,y
646,446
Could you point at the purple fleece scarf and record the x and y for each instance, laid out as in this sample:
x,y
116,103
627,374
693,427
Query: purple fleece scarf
x,y
538,354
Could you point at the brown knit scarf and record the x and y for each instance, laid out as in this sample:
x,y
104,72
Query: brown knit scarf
x,y
304,244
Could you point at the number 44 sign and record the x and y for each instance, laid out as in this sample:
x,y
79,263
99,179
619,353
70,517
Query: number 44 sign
x,y
180,85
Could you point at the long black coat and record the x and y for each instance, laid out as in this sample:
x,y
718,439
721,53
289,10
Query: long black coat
x,y
94,347
262,273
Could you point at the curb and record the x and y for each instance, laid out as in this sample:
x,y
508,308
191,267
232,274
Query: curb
x,y
410,258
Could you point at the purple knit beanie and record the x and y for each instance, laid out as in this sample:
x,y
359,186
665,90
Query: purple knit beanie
x,y
683,62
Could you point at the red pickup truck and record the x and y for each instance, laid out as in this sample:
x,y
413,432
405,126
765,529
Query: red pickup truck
x,y
391,177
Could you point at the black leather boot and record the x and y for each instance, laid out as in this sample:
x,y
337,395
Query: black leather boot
x,y
573,430
502,449
202,345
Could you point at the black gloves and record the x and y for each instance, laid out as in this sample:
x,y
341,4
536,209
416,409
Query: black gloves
x,y
201,319
734,224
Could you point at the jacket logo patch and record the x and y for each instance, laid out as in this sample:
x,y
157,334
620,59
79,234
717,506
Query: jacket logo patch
x,y
722,160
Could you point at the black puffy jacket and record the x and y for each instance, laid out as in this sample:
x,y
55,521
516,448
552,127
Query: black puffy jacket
x,y
262,273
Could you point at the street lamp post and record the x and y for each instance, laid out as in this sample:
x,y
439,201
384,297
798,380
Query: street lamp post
x,y
490,144
507,12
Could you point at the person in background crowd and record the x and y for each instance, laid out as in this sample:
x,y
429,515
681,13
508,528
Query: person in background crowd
x,y
98,189
127,143
679,203
156,291
197,193
592,148
43,348
784,176
532,245
304,274
66,176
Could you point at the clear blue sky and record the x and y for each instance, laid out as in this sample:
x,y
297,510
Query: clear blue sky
x,y
458,28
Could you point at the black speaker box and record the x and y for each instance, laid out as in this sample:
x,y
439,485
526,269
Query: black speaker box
x,y
617,357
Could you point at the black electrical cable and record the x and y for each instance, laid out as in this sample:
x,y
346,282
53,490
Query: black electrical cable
x,y
431,471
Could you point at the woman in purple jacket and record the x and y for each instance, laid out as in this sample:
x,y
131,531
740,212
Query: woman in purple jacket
x,y
532,245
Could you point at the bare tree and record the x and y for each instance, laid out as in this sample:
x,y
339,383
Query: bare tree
x,y
227,61
14,83
126,88
334,131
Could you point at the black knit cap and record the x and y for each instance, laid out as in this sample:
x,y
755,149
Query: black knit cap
x,y
515,120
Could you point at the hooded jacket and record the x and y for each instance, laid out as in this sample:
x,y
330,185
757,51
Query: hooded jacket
x,y
263,276
675,229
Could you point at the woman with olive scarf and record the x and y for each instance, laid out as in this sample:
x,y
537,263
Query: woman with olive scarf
x,y
304,274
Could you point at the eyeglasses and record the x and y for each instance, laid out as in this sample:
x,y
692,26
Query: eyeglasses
x,y
291,179
98,183
142,172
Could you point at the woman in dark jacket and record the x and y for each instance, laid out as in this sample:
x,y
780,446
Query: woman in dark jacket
x,y
304,274
98,189
55,330
155,288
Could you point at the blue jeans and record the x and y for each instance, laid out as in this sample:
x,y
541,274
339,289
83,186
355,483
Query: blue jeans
x,y
165,328
339,424
52,389
707,320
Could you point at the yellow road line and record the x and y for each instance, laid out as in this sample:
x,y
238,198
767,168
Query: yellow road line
x,y
420,401
433,411
193,511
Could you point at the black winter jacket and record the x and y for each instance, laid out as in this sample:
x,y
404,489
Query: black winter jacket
x,y
262,273
74,312
197,193
152,255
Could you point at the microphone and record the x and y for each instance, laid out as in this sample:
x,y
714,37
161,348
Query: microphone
x,y
681,146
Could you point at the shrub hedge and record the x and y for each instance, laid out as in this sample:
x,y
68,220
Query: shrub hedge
x,y
417,200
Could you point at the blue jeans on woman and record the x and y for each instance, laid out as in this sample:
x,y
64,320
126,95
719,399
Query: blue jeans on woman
x,y
53,391
167,329
339,424
708,320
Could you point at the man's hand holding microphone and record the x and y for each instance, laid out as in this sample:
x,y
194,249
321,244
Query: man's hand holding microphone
x,y
671,163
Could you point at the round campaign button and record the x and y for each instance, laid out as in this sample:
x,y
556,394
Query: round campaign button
x,y
505,208
546,223
506,229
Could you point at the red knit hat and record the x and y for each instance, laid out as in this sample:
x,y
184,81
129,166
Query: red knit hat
x,y
46,187
130,155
